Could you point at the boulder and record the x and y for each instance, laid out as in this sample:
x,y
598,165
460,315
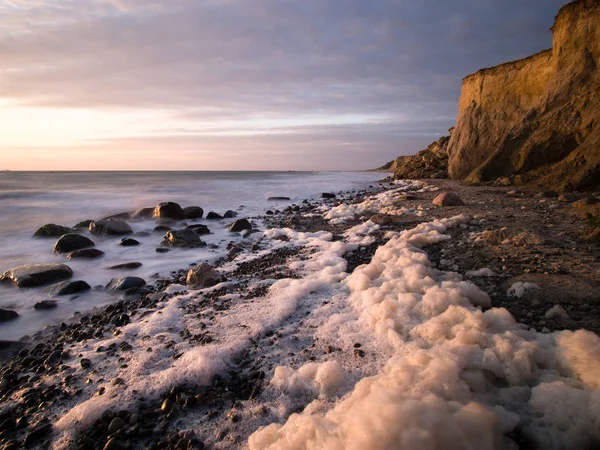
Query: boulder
x,y
199,229
125,266
67,288
128,242
168,210
162,228
119,216
240,225
85,253
7,314
125,283
213,216
45,304
448,199
278,198
110,228
52,230
193,212
71,242
83,224
182,238
229,214
248,233
327,195
567,197
142,213
202,276
33,275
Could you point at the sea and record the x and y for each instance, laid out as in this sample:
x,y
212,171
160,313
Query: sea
x,y
29,200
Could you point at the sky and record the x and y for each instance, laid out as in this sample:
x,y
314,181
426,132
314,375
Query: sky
x,y
244,84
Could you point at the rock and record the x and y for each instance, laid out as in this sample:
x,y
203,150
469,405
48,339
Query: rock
x,y
162,228
202,276
7,314
557,312
35,436
229,214
52,230
514,193
114,444
539,116
116,424
567,198
125,266
248,233
193,212
168,210
386,220
183,238
86,253
142,234
327,195
45,304
71,242
431,162
32,275
85,363
119,216
448,199
67,288
142,213
124,283
278,198
83,224
240,225
503,181
269,213
213,216
546,194
162,250
110,228
128,242
199,229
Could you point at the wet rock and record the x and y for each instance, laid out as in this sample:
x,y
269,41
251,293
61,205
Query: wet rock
x,y
193,212
114,444
162,250
167,405
240,225
202,276
547,194
124,283
34,437
142,213
67,288
71,242
110,228
85,363
53,359
248,233
229,214
213,216
162,228
278,198
514,193
52,230
32,275
448,199
128,242
199,229
86,253
45,304
182,238
567,198
83,224
327,195
116,424
168,210
7,314
269,213
125,266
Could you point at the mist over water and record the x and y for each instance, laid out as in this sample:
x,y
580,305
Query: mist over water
x,y
29,200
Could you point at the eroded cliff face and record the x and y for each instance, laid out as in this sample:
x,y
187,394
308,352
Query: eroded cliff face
x,y
431,162
538,117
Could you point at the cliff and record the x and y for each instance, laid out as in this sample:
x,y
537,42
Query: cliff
x,y
431,162
538,117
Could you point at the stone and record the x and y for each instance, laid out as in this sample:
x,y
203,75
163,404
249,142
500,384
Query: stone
x,y
83,224
514,193
193,212
110,228
162,250
168,210
248,233
199,229
182,238
35,436
125,266
278,198
567,197
116,424
52,230
202,276
86,253
229,214
327,195
114,444
240,225
213,216
71,242
7,315
448,199
45,304
33,275
119,216
128,242
124,283
67,288
503,181
142,213
431,162
162,228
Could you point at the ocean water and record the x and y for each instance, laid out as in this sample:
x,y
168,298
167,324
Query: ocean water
x,y
29,200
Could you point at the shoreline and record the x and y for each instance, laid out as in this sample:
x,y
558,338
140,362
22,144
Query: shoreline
x,y
225,394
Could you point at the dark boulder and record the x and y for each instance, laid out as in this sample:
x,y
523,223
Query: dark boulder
x,y
202,276
448,199
182,238
67,288
168,210
213,216
110,228
86,253
52,230
240,225
327,195
33,275
142,213
125,283
71,242
199,229
128,242
45,304
278,198
126,266
7,314
119,216
229,214
83,224
162,228
193,212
